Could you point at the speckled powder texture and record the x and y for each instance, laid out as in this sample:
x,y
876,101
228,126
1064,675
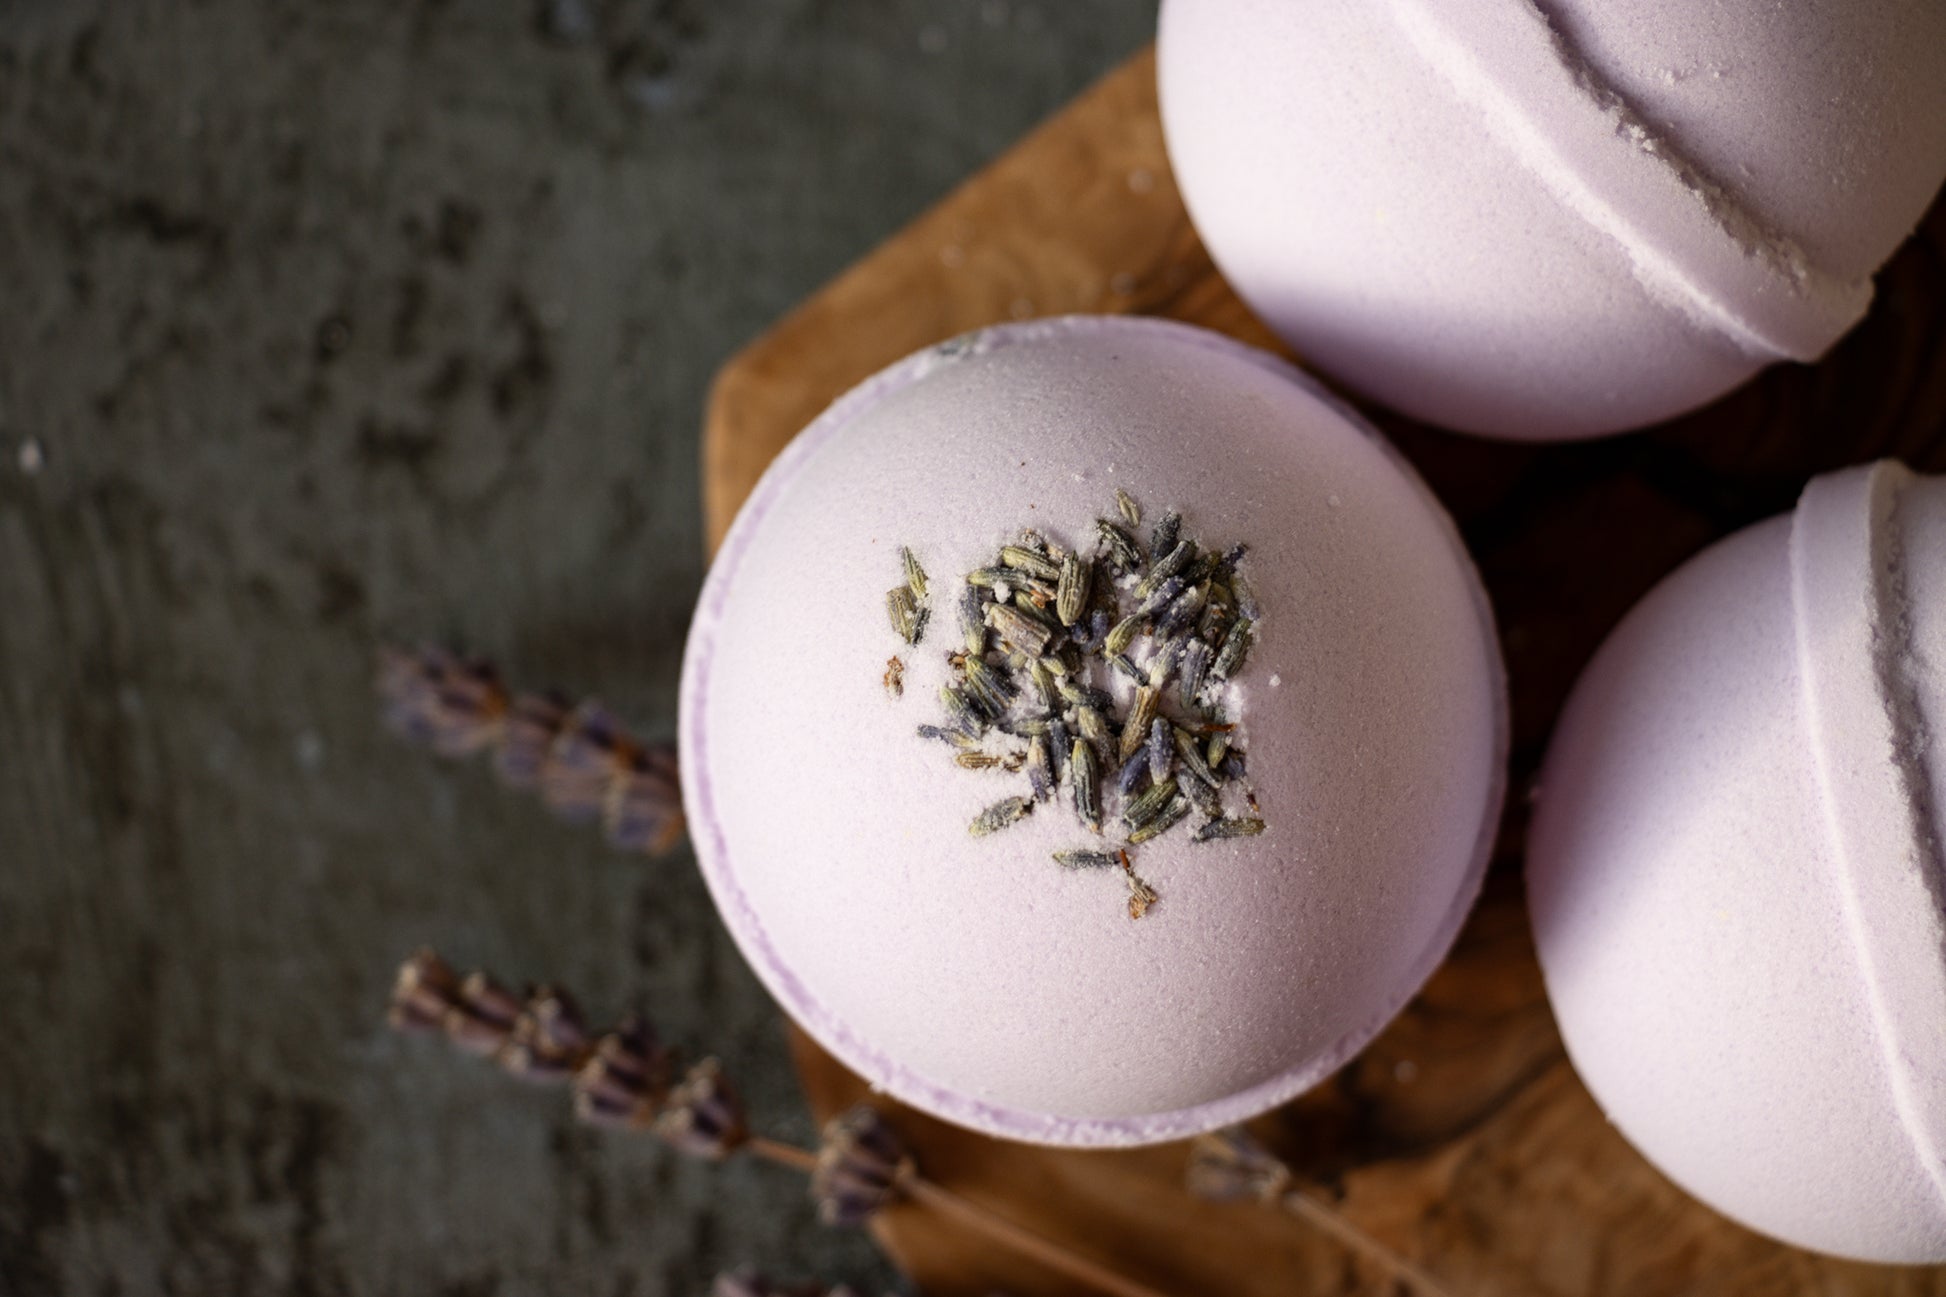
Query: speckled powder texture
x,y
1735,872
1554,219
973,977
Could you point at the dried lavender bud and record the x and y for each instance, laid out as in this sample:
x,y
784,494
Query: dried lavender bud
x,y
1085,775
1141,714
1229,1165
1166,568
961,711
1215,622
704,1117
1234,765
976,760
1246,597
915,576
955,737
644,807
1083,858
1192,758
451,704
1084,695
1160,597
1167,528
1059,741
999,815
1023,559
1032,605
425,991
1031,539
972,621
1017,629
1204,798
1236,646
1131,511
549,1039
907,614
1122,634
583,762
1144,809
624,1078
1161,749
1099,625
1126,665
1117,546
1043,683
1072,594
1131,773
1027,726
484,1016
1219,745
862,1167
1172,815
527,734
1162,662
1228,828
1093,726
987,690
894,678
1178,615
1040,769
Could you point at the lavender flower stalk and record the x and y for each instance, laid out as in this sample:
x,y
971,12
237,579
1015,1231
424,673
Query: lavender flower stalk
x,y
862,1167
584,764
1231,1165
622,1079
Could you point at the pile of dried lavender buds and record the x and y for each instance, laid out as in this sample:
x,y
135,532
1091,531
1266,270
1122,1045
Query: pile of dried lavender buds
x,y
1099,677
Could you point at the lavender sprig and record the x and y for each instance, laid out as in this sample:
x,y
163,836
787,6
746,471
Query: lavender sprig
x,y
862,1167
1231,1165
621,1079
584,764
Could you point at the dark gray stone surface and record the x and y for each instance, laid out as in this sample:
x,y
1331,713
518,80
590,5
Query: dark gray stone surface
x,y
325,323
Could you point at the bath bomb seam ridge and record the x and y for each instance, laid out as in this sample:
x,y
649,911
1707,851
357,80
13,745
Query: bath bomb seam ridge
x,y
827,1027
1751,286
1866,735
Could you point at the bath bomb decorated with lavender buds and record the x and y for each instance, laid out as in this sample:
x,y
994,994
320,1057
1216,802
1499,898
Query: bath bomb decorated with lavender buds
x,y
1736,871
1560,219
1092,732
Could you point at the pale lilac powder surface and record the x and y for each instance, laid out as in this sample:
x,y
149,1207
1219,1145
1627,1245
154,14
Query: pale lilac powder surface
x,y
973,977
1735,873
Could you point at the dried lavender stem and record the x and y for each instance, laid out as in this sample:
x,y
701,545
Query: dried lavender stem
x,y
1024,1241
775,1150
996,1228
1326,1217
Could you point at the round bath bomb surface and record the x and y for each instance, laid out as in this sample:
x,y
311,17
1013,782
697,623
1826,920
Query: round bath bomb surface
x,y
1279,865
1559,220
1735,871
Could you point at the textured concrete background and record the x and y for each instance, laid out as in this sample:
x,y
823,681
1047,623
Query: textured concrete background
x,y
330,322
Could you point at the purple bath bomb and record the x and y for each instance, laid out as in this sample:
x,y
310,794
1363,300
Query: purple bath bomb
x,y
1560,219
972,976
1735,871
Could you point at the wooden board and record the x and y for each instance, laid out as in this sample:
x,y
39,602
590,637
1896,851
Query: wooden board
x,y
1460,1137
